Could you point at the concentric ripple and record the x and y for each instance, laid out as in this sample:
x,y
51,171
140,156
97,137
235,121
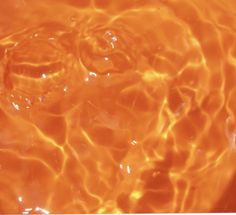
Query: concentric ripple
x,y
103,50
37,69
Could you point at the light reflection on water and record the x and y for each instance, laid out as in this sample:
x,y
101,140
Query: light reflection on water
x,y
121,106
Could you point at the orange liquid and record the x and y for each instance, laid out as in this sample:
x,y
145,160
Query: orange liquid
x,y
117,106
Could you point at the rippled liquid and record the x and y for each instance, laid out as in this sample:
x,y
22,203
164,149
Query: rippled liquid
x,y
117,106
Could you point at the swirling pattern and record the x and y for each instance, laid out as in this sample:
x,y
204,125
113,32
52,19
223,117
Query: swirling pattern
x,y
116,106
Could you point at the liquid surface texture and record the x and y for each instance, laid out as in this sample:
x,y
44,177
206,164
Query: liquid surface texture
x,y
117,106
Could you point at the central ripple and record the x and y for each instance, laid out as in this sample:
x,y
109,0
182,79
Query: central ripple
x,y
38,68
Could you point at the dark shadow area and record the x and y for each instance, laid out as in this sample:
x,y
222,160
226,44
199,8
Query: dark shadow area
x,y
227,203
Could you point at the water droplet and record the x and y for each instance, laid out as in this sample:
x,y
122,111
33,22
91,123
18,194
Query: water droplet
x,y
44,76
128,169
134,142
65,89
20,199
28,209
16,106
93,74
38,209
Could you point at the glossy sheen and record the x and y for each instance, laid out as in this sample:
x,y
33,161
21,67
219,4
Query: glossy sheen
x,y
117,106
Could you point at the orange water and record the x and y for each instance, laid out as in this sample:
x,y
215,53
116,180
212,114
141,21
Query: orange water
x,y
117,106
